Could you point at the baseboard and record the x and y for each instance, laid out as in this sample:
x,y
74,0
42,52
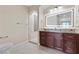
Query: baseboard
x,y
33,42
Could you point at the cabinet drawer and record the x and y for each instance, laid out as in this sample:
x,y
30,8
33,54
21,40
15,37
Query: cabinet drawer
x,y
48,33
69,36
58,36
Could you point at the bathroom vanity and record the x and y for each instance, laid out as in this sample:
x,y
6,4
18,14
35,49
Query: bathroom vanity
x,y
60,29
66,42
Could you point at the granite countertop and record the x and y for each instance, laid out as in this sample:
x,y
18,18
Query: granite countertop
x,y
62,31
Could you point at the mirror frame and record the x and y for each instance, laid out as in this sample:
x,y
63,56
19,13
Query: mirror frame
x,y
54,14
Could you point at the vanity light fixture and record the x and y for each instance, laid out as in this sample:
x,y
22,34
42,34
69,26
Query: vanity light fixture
x,y
53,10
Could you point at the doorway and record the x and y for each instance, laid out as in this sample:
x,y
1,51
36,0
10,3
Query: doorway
x,y
33,25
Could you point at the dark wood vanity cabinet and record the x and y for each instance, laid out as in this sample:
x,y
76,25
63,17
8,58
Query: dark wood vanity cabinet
x,y
66,42
58,41
46,39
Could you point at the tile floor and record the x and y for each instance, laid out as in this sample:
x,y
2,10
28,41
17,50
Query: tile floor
x,y
30,48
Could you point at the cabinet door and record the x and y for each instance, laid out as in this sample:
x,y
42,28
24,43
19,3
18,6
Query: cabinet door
x,y
70,46
42,38
69,43
50,39
59,41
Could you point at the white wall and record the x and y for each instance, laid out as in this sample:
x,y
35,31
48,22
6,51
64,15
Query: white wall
x,y
9,17
41,17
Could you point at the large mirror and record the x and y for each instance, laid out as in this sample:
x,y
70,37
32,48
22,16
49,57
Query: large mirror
x,y
51,20
64,19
